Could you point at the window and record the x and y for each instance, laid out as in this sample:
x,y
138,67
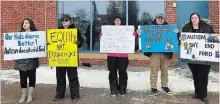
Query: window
x,y
79,11
143,13
104,14
100,13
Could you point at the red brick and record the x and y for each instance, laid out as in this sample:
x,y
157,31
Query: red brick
x,y
14,12
214,14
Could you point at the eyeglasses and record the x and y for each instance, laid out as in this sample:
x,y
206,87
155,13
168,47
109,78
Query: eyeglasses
x,y
65,20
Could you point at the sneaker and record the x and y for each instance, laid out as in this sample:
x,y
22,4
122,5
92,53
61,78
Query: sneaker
x,y
205,100
167,90
154,91
195,96
56,98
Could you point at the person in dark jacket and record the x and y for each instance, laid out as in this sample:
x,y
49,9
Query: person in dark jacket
x,y
199,71
159,61
71,71
117,66
27,67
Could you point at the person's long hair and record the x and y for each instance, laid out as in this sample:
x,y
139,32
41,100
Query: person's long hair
x,y
32,25
190,22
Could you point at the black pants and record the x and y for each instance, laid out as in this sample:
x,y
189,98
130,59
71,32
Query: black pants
x,y
61,81
31,74
117,64
200,76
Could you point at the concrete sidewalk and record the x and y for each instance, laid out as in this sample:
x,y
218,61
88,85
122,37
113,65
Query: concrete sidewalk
x,y
10,94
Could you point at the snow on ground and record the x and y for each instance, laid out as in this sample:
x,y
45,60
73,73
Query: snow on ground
x,y
179,79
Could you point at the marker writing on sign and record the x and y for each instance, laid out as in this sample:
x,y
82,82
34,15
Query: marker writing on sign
x,y
18,36
205,53
60,46
27,42
11,50
61,54
191,44
212,46
67,36
8,37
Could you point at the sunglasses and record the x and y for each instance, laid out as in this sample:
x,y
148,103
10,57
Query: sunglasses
x,y
160,17
65,20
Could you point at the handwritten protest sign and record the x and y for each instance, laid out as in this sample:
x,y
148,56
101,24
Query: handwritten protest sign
x,y
158,38
22,45
62,50
117,39
200,48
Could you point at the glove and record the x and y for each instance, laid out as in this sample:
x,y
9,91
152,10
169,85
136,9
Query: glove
x,y
77,42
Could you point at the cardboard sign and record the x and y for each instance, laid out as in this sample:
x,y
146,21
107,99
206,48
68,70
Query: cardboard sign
x,y
62,48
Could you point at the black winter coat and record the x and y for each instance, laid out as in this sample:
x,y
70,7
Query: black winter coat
x,y
204,28
79,36
27,64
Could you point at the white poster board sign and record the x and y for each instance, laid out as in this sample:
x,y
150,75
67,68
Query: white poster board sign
x,y
22,45
117,39
200,47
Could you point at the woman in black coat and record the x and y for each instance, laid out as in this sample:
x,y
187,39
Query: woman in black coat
x,y
199,71
27,67
72,72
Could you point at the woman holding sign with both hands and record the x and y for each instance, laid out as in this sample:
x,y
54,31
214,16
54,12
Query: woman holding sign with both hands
x,y
27,67
117,63
71,71
199,71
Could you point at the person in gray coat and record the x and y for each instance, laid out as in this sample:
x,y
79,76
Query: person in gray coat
x,y
27,67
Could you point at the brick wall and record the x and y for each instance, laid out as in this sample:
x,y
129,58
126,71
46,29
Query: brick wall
x,y
214,14
172,19
13,12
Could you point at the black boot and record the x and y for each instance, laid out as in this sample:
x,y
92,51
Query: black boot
x,y
74,90
195,96
113,87
57,97
122,87
205,100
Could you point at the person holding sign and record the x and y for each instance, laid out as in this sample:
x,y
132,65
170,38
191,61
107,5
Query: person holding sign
x,y
159,60
27,67
199,71
117,63
71,71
